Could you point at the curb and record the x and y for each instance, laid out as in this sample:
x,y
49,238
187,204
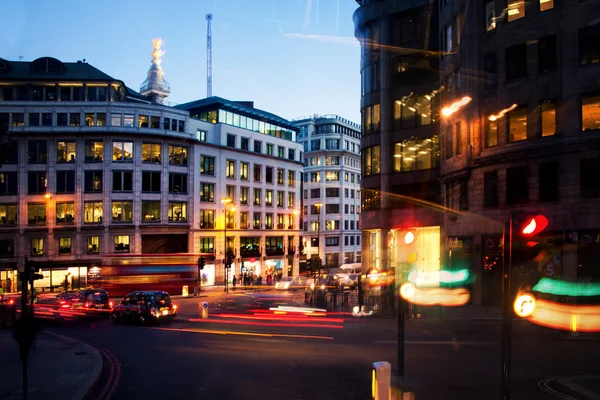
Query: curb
x,y
93,377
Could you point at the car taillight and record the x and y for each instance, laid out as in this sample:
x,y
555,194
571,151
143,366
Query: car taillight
x,y
110,304
61,302
11,301
174,306
65,306
86,305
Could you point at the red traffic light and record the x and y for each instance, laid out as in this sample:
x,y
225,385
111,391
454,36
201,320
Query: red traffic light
x,y
533,225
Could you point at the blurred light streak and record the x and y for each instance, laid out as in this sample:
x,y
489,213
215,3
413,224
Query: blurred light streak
x,y
585,318
241,333
457,105
270,324
501,113
297,309
429,278
524,305
561,288
434,296
279,318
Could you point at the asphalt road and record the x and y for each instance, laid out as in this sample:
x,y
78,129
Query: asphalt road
x,y
244,351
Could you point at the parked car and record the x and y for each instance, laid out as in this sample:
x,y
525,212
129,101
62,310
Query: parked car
x,y
144,306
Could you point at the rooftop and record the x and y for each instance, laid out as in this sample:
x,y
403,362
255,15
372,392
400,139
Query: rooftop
x,y
320,118
242,107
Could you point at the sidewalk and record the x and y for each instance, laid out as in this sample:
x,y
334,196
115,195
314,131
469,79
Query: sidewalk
x,y
57,369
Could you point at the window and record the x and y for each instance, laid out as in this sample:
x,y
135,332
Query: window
x,y
589,45
94,151
8,214
516,10
548,118
330,160
315,193
516,62
37,246
490,189
34,119
280,196
332,144
269,174
416,154
332,176
490,71
517,185
243,195
123,151
46,119
332,225
517,124
166,123
291,178
332,192
257,146
122,181
280,174
207,192
65,152
315,177
490,15
93,181
8,183
36,182
155,122
142,121
590,113
332,241
371,117
346,209
177,211
256,220
122,244
269,149
244,220
245,144
92,212
230,140
548,182
463,194
151,182
230,192
207,219
93,244
64,245
178,155
151,153
90,119
150,211
268,221
74,119
332,209
201,135
115,119
207,245
37,151
178,183
243,171
315,209
122,211
207,165
269,198
448,35
36,214
371,160
280,151
458,134
589,170
491,133
291,199
547,54
257,196
256,172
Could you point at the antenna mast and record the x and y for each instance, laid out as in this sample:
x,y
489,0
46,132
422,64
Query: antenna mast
x,y
209,18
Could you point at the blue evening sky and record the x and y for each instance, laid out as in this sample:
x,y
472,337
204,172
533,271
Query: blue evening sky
x,y
291,57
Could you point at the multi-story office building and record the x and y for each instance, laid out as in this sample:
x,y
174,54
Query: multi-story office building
x,y
100,177
331,189
529,139
401,212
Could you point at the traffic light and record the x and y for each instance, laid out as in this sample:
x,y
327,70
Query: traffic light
x,y
201,263
528,249
33,273
533,224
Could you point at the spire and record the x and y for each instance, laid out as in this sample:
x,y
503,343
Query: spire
x,y
155,87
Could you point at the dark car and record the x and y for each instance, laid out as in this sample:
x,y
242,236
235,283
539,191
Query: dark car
x,y
141,307
93,299
66,299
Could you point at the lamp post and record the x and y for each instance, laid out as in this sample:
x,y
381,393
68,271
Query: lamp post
x,y
225,202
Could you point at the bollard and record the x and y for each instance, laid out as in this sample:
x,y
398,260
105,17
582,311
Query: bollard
x,y
203,309
381,387
184,291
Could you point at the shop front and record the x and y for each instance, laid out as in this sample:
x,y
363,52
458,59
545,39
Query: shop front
x,y
8,278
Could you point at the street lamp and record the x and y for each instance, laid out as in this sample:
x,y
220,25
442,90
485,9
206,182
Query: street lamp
x,y
225,202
